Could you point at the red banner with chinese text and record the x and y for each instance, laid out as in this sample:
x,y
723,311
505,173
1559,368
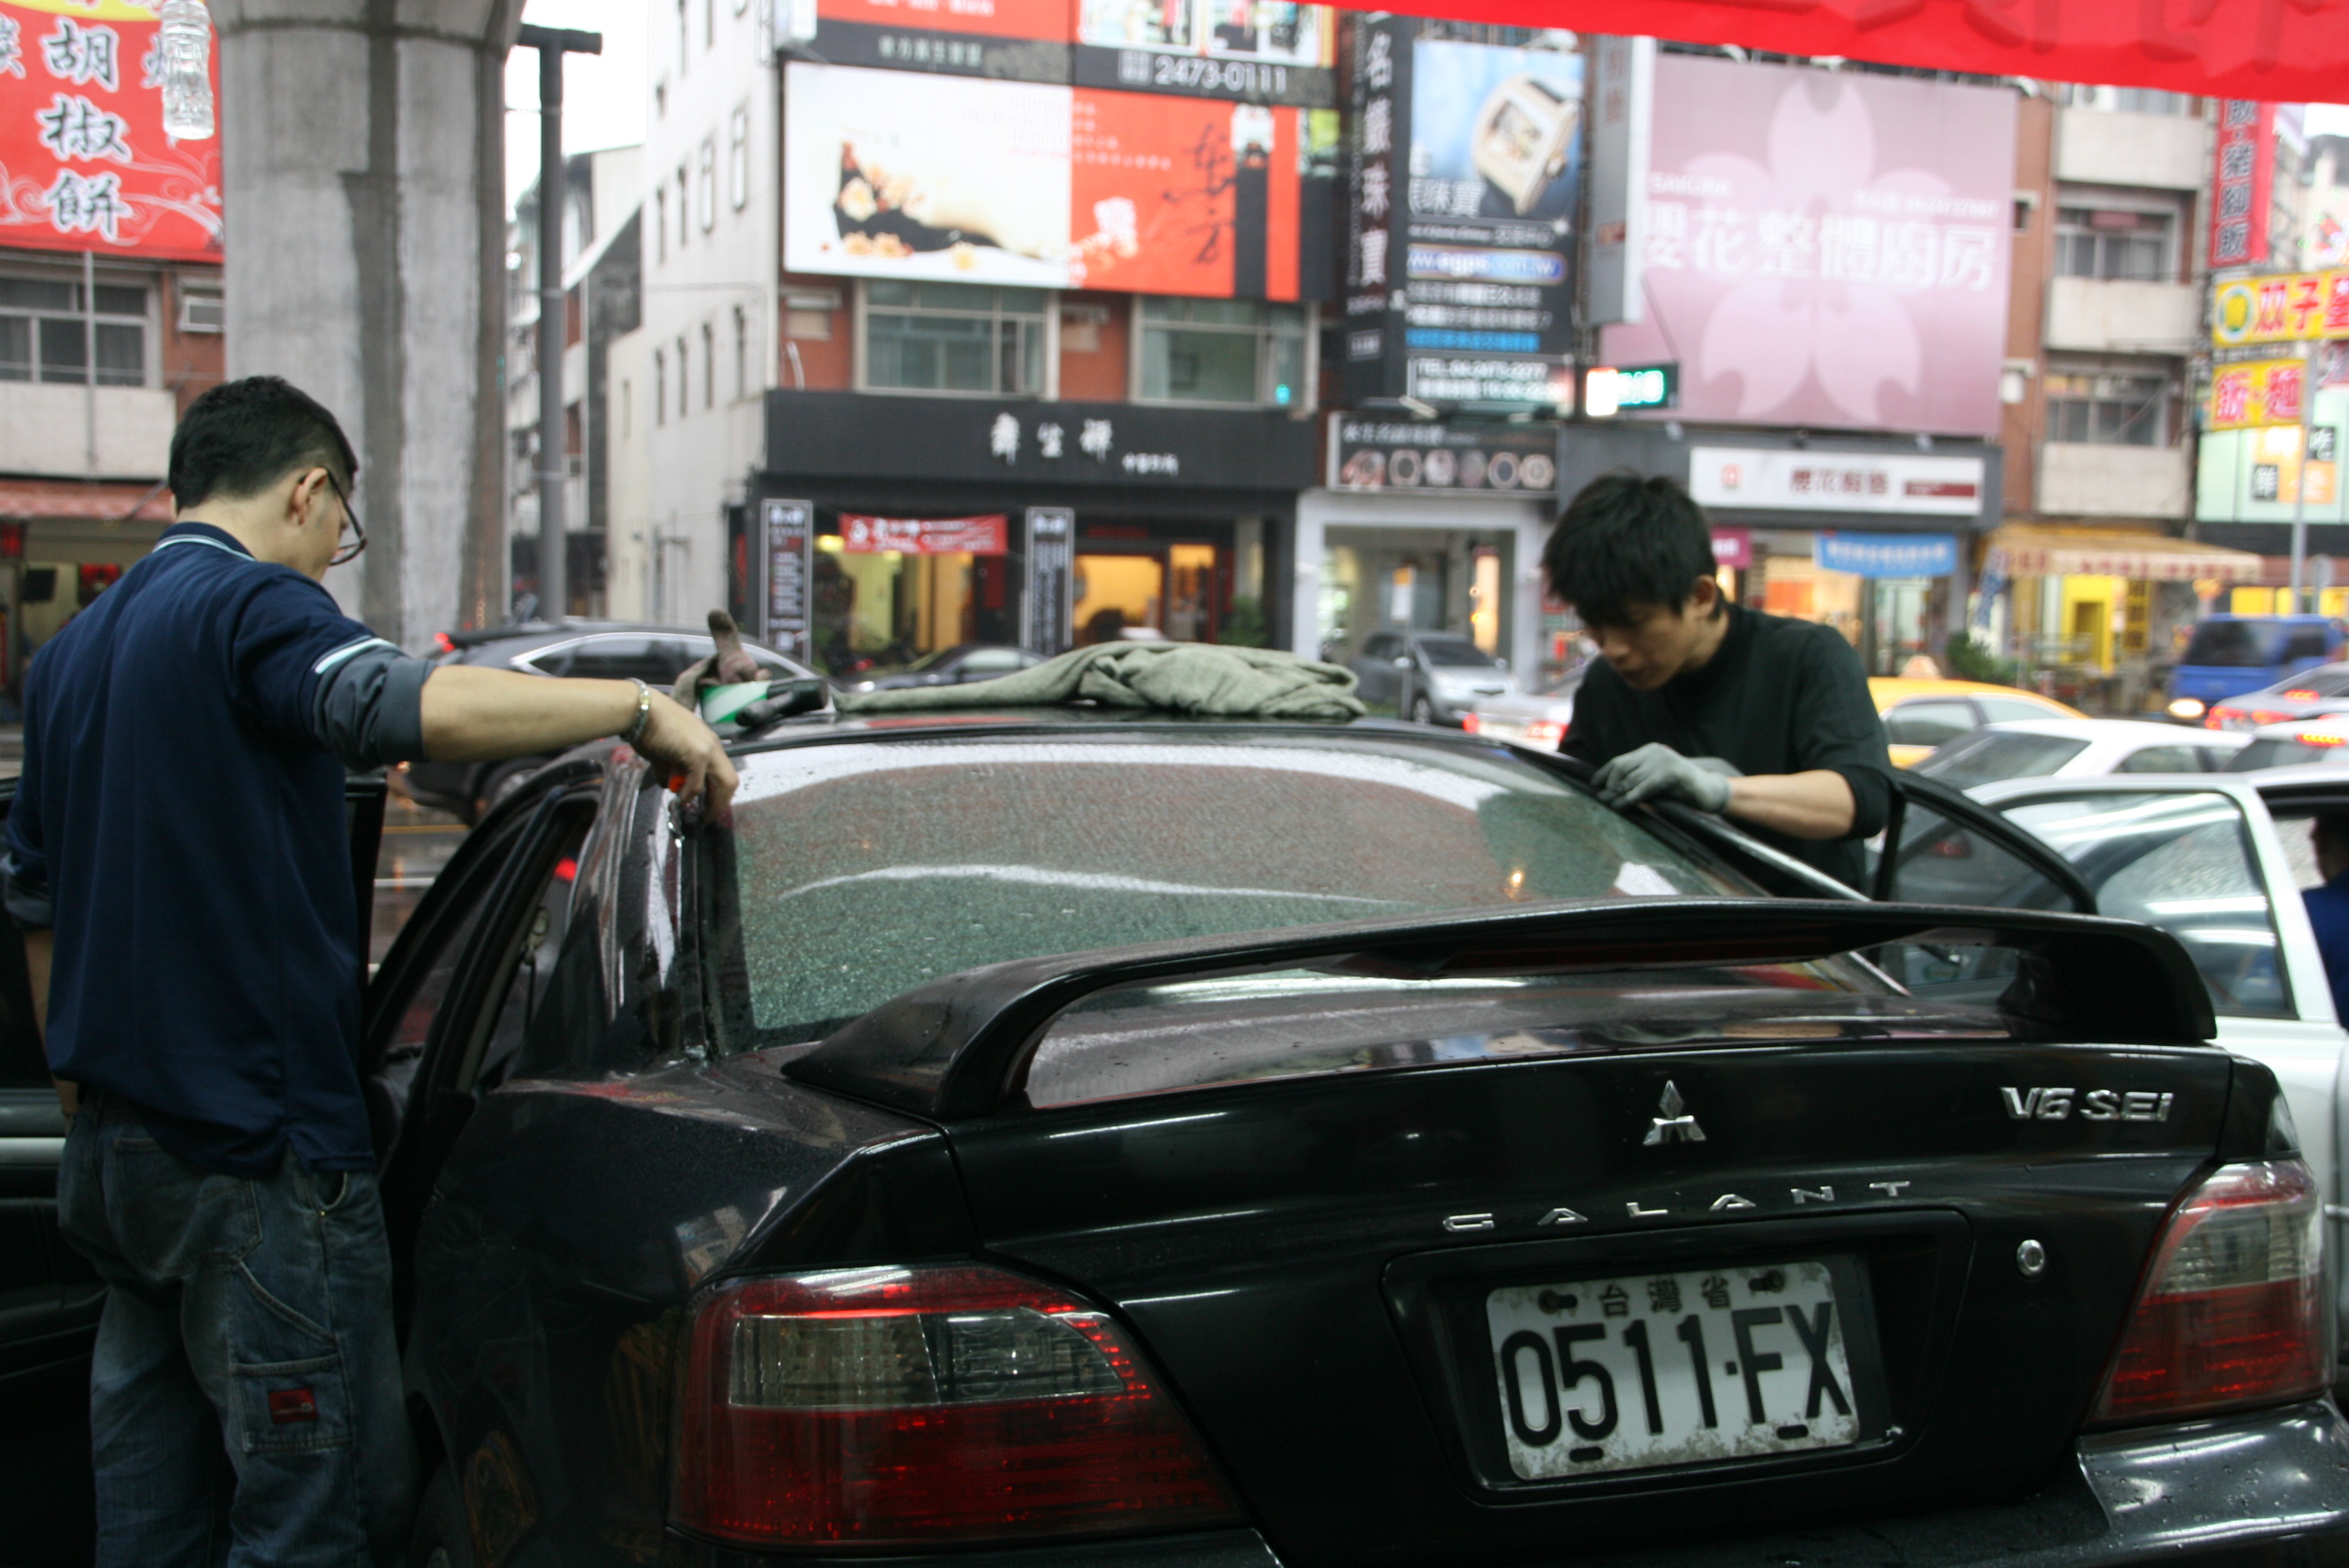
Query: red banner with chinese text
x,y
988,535
2277,51
2243,174
84,162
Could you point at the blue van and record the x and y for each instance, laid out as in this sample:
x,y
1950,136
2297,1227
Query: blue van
x,y
2234,654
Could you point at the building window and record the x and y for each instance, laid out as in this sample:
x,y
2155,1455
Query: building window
x,y
684,207
660,388
684,386
738,157
708,365
684,37
627,408
954,337
660,215
44,336
741,352
2113,243
1221,351
2106,410
709,184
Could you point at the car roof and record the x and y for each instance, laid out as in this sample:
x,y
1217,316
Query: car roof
x,y
1886,689
2140,731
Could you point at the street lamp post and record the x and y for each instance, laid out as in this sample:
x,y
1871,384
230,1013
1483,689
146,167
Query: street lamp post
x,y
553,449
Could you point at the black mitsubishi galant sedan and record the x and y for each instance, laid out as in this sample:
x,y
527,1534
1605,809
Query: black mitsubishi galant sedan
x,y
1076,1138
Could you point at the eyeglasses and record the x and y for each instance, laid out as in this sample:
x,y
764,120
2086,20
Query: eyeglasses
x,y
345,553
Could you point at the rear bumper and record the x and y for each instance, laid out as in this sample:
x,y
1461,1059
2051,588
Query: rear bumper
x,y
2268,1489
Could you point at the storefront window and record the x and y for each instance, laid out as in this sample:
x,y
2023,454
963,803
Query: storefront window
x,y
1376,579
878,610
2105,410
44,335
954,337
1222,351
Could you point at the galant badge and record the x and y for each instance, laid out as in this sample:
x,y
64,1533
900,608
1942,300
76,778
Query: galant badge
x,y
1674,1123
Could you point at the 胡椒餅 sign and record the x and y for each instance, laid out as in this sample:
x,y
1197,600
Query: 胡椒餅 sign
x,y
1466,178
84,162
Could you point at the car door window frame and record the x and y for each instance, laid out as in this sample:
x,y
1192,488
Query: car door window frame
x,y
1957,807
2309,998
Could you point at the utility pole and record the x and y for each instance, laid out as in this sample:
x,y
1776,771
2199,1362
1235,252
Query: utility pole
x,y
554,449
2308,378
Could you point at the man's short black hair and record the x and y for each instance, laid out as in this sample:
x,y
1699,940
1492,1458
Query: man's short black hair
x,y
1628,540
243,437
2333,827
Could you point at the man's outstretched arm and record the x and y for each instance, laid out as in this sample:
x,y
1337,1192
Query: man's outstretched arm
x,y
475,715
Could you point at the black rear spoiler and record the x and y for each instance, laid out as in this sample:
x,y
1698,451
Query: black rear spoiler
x,y
957,1047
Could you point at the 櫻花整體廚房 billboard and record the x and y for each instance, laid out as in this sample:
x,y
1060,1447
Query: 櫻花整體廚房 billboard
x,y
1827,250
85,164
892,174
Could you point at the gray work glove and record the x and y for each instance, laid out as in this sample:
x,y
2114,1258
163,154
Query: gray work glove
x,y
1656,772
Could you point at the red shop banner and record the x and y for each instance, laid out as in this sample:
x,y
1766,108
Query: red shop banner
x,y
2277,51
85,164
990,535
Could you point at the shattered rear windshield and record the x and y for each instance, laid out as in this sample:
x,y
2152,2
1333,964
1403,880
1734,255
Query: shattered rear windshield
x,y
861,871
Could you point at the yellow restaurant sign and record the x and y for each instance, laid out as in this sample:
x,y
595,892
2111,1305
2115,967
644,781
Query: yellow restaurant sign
x,y
2291,308
2257,392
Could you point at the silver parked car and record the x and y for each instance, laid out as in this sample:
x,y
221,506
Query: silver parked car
x,y
1433,677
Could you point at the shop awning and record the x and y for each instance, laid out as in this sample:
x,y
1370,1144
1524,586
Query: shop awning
x,y
2147,557
31,500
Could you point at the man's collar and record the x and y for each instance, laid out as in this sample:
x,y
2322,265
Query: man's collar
x,y
1727,652
208,532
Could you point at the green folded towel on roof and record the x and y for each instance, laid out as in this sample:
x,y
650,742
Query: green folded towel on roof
x,y
1201,678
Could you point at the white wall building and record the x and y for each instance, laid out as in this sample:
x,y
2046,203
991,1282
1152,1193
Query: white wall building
x,y
712,239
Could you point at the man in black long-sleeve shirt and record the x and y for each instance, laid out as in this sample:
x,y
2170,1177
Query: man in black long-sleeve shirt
x,y
1756,717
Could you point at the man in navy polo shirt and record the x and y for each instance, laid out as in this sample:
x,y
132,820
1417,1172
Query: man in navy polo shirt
x,y
178,858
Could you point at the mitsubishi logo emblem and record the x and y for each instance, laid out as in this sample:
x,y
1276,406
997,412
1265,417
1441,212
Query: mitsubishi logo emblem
x,y
1674,1123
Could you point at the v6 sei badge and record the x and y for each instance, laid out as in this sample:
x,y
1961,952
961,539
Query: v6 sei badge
x,y
2054,1104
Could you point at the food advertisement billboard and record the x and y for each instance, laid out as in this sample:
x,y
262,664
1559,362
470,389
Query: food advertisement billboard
x,y
1825,249
1468,174
895,175
85,164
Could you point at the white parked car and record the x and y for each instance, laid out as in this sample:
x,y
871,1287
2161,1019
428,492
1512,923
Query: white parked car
x,y
2077,748
1538,719
2323,740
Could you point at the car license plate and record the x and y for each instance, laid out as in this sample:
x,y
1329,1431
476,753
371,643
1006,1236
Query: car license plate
x,y
1671,1368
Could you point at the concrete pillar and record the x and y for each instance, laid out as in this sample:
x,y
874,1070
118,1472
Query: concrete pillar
x,y
363,186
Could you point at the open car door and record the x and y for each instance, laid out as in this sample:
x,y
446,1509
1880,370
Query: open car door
x,y
2203,857
50,1298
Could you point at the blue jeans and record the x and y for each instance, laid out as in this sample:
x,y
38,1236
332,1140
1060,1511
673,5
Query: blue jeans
x,y
245,1403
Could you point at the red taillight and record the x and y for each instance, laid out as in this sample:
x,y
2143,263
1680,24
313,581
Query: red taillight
x,y
2319,737
2269,716
890,1406
1545,732
2233,1311
2300,694
1472,724
444,642
2222,717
